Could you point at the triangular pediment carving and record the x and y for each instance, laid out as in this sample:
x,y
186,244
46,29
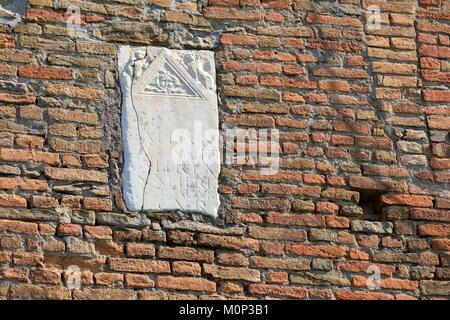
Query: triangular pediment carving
x,y
166,77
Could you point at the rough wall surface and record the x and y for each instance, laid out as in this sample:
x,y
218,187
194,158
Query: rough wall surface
x,y
364,150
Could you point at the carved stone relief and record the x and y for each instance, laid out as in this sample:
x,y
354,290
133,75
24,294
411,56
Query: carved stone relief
x,y
170,130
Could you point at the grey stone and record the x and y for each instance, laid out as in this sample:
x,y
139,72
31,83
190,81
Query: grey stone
x,y
202,227
410,147
29,215
438,288
322,264
83,217
352,211
371,227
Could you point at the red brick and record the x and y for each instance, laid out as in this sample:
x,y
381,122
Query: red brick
x,y
337,222
98,232
362,295
28,258
25,156
16,98
238,39
14,274
311,220
11,200
405,199
429,214
436,95
228,242
139,265
108,279
7,41
103,294
440,244
46,276
140,250
52,73
329,251
18,227
232,273
31,142
29,291
138,281
23,184
75,175
73,116
186,253
277,277
277,233
287,82
48,16
434,230
315,18
69,230
101,204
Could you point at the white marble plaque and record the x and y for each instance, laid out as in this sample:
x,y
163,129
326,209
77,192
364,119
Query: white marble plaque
x,y
170,130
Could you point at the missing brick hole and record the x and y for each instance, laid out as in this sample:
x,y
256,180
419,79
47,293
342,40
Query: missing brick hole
x,y
369,202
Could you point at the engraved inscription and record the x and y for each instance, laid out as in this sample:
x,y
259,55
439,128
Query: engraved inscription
x,y
170,130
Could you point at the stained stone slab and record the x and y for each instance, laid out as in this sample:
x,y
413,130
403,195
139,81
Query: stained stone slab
x,y
170,130
12,10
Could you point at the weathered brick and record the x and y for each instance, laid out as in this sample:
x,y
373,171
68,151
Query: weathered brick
x,y
25,156
98,232
404,199
29,291
73,116
434,230
75,175
103,294
186,253
228,242
232,273
187,268
18,227
277,233
276,290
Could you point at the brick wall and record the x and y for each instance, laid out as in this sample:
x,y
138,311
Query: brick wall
x,y
363,115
